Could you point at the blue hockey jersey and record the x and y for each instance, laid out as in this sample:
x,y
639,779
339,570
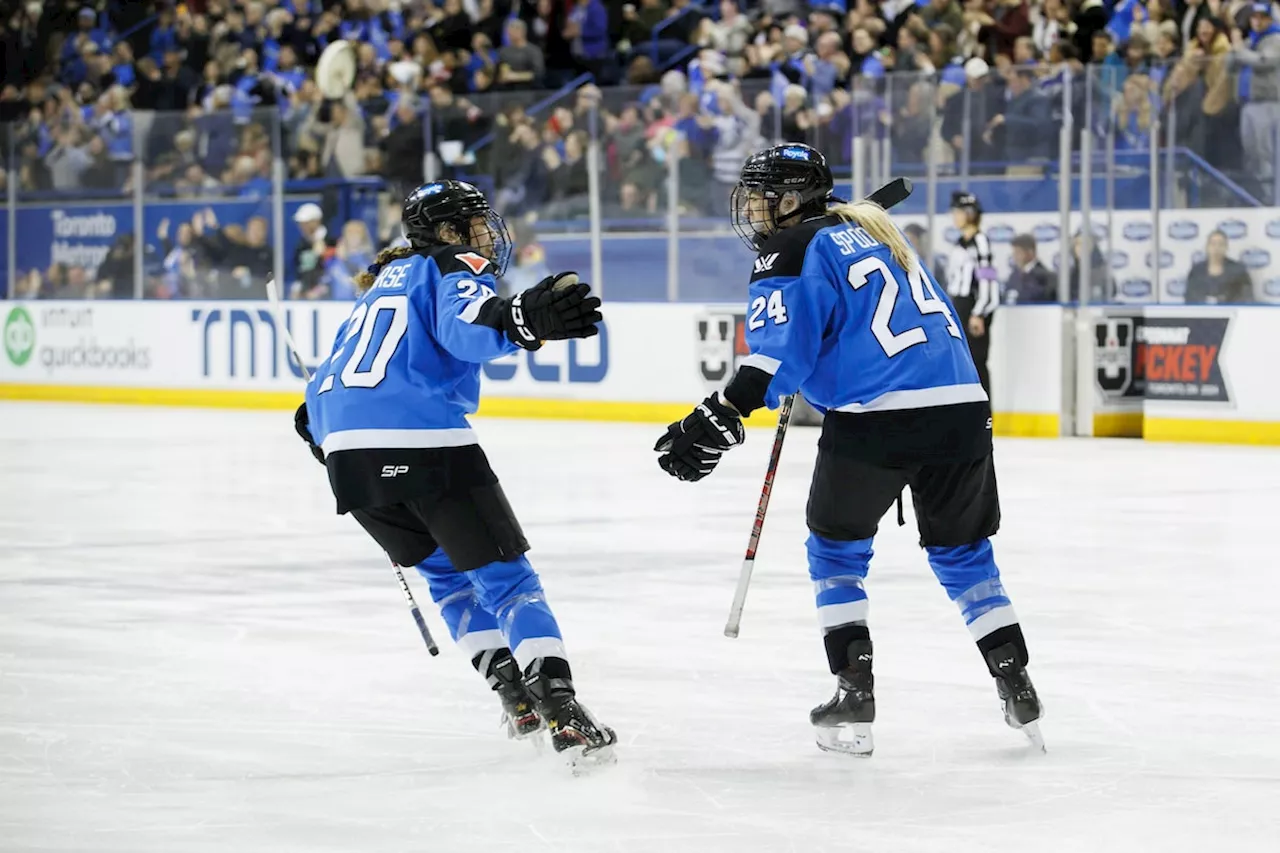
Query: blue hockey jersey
x,y
832,315
404,371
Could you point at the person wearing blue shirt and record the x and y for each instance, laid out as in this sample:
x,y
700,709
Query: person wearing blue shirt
x,y
841,309
387,414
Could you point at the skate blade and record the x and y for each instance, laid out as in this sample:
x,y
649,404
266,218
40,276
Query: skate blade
x,y
582,762
849,739
1032,731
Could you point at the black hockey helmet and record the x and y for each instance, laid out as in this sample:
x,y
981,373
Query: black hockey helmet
x,y
457,204
965,200
770,175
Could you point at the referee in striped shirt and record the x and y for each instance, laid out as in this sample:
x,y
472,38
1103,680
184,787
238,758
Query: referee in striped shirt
x,y
971,279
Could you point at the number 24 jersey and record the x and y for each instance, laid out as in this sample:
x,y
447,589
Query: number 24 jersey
x,y
831,314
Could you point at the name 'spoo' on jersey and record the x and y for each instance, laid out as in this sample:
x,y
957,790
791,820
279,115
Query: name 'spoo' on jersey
x,y
874,346
404,374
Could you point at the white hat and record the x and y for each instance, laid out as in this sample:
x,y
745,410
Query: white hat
x,y
309,213
797,32
976,68
405,72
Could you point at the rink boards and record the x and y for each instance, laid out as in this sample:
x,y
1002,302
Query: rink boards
x,y
1168,373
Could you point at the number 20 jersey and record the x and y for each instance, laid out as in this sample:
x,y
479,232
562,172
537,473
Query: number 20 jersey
x,y
404,374
875,347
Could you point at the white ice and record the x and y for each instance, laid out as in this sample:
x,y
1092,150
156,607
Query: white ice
x,y
197,654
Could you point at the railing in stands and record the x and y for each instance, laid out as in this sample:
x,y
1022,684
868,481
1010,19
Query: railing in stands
x,y
135,28
538,107
679,59
654,37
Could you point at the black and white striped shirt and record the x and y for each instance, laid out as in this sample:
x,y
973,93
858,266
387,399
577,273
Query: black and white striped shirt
x,y
971,276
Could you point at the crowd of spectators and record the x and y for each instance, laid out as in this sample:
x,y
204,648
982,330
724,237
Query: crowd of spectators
x,y
204,93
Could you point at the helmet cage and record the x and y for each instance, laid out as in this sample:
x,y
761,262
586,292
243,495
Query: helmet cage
x,y
457,205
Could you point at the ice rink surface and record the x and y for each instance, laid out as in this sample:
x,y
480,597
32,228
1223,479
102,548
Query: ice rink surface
x,y
197,654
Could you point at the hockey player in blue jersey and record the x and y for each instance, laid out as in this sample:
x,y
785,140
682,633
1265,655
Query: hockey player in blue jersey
x,y
387,414
841,309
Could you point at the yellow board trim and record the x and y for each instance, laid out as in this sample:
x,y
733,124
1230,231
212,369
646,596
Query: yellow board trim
x,y
1118,425
493,407
1211,431
1026,424
208,398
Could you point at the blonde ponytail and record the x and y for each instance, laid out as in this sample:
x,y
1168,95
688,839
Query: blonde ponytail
x,y
365,280
873,219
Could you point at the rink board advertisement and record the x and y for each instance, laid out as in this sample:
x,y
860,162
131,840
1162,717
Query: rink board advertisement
x,y
1194,373
1142,358
234,354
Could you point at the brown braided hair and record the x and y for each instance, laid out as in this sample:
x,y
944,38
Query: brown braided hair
x,y
365,280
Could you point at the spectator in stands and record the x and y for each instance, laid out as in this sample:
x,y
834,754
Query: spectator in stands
x,y
520,64
1100,284
731,34
944,12
239,256
1192,13
312,253
919,239
1030,281
1050,24
1025,52
1008,21
403,150
1089,20
1182,96
338,130
69,158
1134,115
101,175
628,151
353,253
1208,54
797,118
527,184
34,174
912,127
968,116
181,278
1026,124
1218,279
1258,61
738,135
587,31
114,278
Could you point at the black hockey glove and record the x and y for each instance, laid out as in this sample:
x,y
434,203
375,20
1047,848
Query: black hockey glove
x,y
302,423
555,309
692,448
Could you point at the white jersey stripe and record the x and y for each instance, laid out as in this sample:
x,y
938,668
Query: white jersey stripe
x,y
922,398
397,439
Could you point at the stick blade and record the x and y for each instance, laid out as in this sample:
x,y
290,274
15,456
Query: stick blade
x,y
893,193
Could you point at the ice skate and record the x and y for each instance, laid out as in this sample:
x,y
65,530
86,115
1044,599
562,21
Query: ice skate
x,y
519,716
843,724
1022,708
575,734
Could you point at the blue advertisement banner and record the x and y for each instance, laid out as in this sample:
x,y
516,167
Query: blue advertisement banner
x,y
82,234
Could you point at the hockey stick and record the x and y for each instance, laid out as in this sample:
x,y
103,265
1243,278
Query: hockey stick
x,y
749,562
891,194
273,294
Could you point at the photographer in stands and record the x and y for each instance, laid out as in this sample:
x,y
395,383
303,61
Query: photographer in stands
x,y
1218,280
